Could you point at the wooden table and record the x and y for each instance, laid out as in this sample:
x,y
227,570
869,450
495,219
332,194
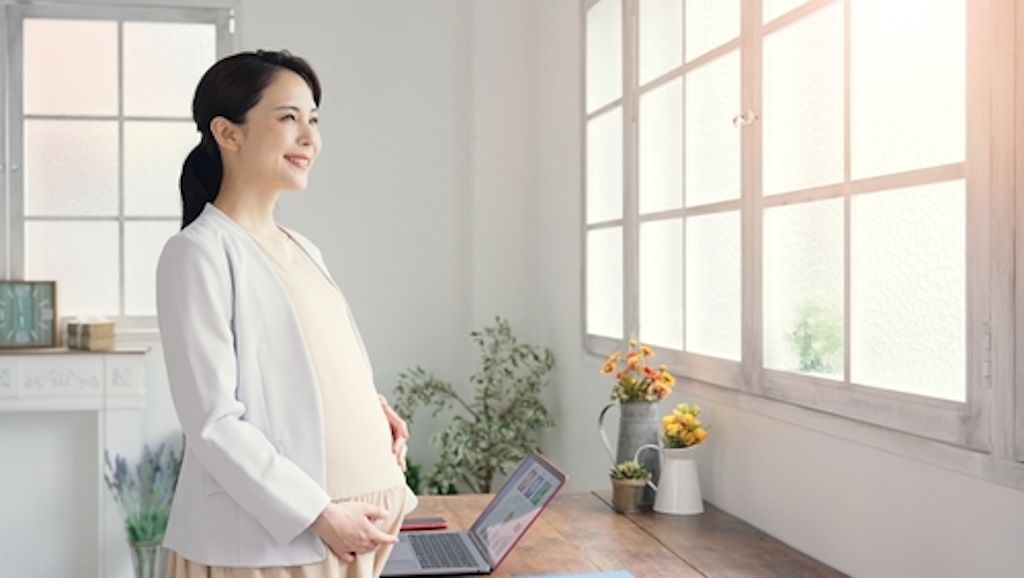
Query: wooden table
x,y
579,532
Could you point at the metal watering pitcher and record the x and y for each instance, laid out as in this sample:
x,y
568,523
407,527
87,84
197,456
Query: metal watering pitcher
x,y
678,490
638,425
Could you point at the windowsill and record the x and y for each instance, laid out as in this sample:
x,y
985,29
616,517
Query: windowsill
x,y
961,460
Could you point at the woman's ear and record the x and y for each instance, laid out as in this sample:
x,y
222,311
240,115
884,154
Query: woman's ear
x,y
226,133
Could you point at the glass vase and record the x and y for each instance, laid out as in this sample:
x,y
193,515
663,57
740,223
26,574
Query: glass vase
x,y
149,559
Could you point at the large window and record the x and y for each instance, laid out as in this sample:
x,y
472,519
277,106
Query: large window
x,y
98,124
799,200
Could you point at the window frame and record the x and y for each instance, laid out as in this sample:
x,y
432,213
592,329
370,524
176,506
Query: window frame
x,y
976,436
14,243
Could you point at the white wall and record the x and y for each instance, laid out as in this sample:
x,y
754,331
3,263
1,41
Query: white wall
x,y
449,192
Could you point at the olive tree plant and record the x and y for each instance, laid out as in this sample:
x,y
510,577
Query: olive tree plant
x,y
496,427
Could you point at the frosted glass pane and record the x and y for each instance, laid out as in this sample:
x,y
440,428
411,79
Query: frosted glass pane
x,y
163,62
153,153
772,9
604,53
82,257
907,85
803,288
661,283
712,301
803,103
712,142
604,282
71,167
709,24
661,148
604,167
70,67
143,242
661,37
907,290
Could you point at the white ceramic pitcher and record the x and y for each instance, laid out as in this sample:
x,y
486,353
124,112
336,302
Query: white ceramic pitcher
x,y
678,489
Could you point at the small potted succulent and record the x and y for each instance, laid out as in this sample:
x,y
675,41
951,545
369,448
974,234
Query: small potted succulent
x,y
628,481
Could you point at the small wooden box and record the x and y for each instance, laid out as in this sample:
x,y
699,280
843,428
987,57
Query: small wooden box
x,y
91,335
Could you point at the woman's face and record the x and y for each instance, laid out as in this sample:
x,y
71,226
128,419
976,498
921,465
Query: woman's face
x,y
280,139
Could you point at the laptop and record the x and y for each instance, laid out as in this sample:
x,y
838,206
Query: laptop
x,y
499,527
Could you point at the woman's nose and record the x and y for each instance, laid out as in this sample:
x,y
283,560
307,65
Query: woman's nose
x,y
307,132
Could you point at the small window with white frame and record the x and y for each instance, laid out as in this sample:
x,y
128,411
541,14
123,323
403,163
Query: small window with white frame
x,y
99,122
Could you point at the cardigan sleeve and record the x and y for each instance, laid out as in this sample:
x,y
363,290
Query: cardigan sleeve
x,y
194,310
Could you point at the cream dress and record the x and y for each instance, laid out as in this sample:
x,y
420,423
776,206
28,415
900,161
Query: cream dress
x,y
360,465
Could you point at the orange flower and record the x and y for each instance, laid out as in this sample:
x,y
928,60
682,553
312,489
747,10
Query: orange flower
x,y
609,364
635,379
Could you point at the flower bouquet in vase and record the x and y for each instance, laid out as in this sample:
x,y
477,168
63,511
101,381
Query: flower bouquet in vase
x,y
143,496
678,490
636,391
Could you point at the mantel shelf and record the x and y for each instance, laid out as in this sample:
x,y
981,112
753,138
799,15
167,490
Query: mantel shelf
x,y
10,351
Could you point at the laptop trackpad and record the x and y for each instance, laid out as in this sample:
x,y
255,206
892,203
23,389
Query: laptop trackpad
x,y
403,557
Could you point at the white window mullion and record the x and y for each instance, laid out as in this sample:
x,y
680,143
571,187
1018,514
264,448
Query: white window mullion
x,y
15,207
5,220
752,360
990,224
1016,196
630,170
121,269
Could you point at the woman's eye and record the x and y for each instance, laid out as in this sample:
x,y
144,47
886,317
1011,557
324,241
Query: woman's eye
x,y
314,120
288,117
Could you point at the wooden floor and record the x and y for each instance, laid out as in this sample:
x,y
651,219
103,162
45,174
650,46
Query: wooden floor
x,y
579,533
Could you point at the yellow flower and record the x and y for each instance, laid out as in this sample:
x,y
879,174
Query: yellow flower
x,y
682,428
647,351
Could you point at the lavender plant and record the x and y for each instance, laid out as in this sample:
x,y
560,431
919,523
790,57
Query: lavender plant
x,y
144,495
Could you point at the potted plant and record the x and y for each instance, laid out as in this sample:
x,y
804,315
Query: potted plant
x,y
628,481
144,495
496,427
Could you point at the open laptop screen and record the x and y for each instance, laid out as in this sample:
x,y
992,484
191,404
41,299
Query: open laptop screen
x,y
534,483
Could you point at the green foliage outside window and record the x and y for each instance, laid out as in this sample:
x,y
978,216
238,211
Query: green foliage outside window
x,y
818,339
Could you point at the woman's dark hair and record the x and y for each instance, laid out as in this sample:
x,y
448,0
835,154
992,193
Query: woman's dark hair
x,y
229,88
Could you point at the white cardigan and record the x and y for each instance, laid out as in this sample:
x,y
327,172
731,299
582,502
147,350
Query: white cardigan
x,y
245,392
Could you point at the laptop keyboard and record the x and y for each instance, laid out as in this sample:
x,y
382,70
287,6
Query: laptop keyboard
x,y
444,550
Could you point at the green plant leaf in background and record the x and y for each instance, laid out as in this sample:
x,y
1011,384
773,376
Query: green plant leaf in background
x,y
498,426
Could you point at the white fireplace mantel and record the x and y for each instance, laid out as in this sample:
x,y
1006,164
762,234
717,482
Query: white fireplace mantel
x,y
110,385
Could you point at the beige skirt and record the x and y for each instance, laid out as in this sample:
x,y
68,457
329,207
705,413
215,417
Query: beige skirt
x,y
367,565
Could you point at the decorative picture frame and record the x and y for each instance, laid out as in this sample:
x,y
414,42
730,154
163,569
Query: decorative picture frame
x,y
28,314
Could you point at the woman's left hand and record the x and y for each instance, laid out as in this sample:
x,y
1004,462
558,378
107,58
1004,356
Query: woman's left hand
x,y
399,432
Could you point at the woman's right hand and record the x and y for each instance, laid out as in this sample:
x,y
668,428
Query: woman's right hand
x,y
350,528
